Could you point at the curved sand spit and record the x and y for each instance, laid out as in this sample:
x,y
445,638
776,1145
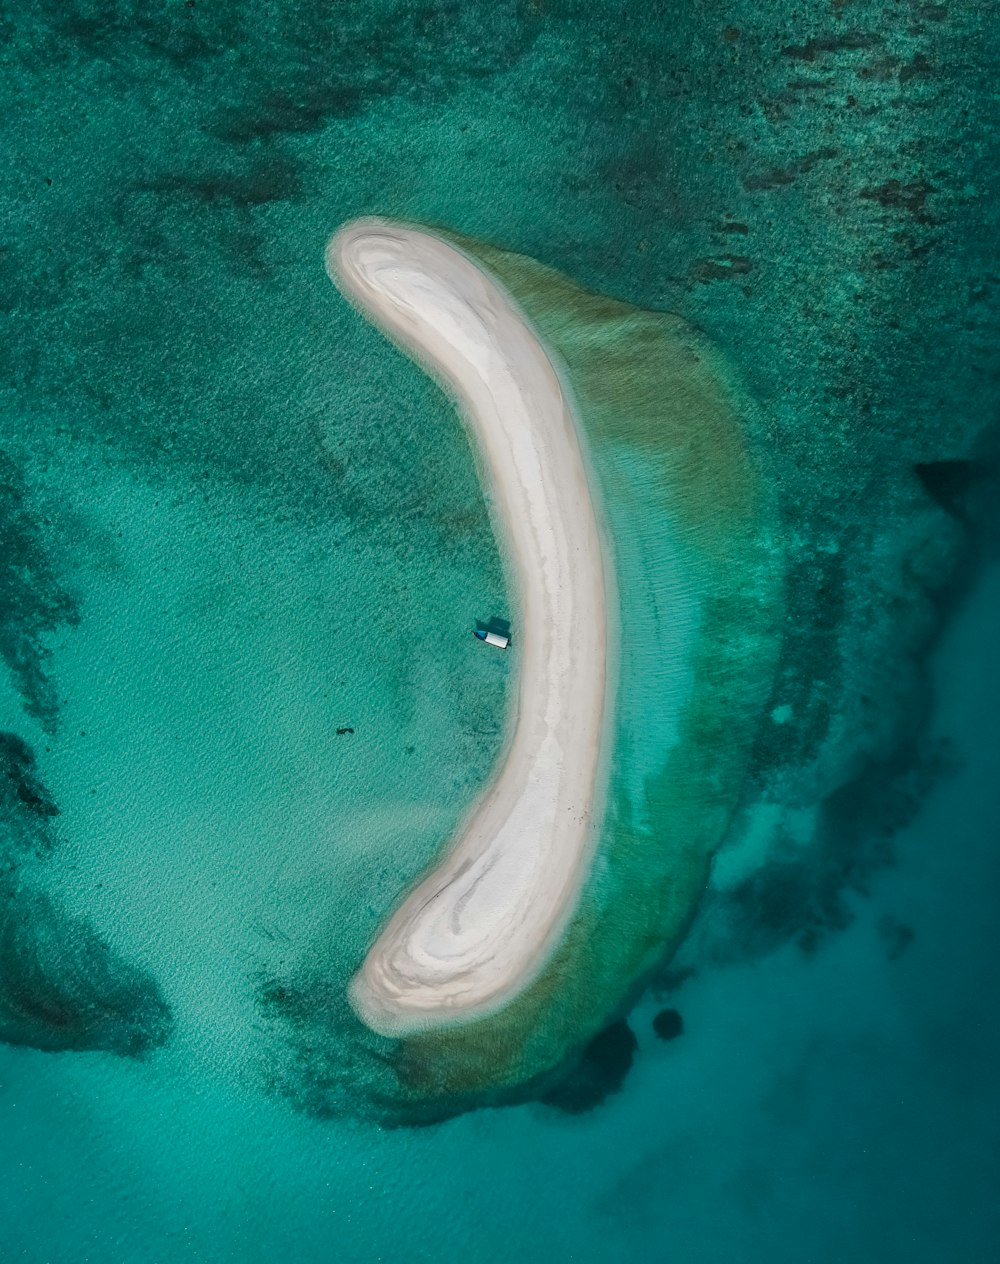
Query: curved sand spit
x,y
479,926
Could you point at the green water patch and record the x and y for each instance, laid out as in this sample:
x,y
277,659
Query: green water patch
x,y
676,450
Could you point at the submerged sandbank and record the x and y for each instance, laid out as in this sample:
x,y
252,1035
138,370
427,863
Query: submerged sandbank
x,y
480,925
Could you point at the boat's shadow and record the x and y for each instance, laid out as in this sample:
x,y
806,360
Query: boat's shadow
x,y
500,626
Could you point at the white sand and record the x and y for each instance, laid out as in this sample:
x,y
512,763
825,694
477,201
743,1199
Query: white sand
x,y
480,926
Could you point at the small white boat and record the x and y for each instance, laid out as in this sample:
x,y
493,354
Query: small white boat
x,y
492,638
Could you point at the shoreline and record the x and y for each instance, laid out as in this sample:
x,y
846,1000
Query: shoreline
x,y
482,922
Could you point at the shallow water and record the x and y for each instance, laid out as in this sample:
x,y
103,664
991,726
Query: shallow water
x,y
233,521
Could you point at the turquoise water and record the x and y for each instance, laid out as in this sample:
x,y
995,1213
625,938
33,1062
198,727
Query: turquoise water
x,y
233,521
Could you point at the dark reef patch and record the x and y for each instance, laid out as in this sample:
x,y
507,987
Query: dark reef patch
x,y
17,778
62,988
26,808
908,196
810,668
776,177
823,45
324,1057
116,31
33,602
601,1071
668,1024
918,65
949,483
252,185
788,899
279,114
722,268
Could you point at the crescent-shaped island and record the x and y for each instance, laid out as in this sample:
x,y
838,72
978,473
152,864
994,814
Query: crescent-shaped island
x,y
479,927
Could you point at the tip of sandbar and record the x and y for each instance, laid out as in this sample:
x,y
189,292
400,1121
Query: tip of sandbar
x,y
372,242
384,1021
350,237
339,243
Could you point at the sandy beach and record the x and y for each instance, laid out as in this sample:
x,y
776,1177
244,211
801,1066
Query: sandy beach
x,y
479,926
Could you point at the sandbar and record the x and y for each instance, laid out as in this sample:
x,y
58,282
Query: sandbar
x,y
481,924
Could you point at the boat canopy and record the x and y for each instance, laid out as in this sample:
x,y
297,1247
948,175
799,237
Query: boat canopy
x,y
492,638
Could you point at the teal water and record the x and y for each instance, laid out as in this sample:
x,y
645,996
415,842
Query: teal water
x,y
234,521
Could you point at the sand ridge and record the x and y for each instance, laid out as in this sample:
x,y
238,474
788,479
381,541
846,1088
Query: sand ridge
x,y
481,924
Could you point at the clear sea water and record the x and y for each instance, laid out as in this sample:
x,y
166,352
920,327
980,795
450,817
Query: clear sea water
x,y
233,521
